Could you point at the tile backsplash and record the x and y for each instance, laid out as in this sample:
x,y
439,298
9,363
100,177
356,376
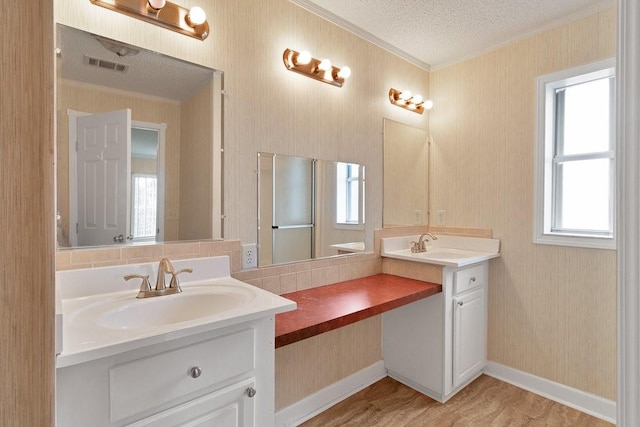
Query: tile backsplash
x,y
279,279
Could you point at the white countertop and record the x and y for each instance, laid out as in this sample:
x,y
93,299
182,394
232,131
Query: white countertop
x,y
84,340
349,247
448,251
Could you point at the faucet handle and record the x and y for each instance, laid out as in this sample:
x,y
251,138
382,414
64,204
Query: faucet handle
x,y
174,278
145,286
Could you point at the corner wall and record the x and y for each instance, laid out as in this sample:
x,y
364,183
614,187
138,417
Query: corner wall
x,y
27,224
552,309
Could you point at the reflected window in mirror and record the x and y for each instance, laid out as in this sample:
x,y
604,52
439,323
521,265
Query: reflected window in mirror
x,y
144,207
349,194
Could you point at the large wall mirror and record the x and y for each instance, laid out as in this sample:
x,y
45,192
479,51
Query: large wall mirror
x,y
138,144
308,208
406,175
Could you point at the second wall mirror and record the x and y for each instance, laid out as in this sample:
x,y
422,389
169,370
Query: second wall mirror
x,y
308,208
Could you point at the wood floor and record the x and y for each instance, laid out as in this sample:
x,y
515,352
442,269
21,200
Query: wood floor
x,y
485,402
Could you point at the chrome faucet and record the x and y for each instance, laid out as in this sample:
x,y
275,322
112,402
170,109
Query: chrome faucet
x,y
165,267
420,245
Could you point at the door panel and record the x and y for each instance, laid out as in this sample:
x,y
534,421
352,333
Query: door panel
x,y
104,148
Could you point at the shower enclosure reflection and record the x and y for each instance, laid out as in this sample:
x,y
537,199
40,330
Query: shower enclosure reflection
x,y
308,208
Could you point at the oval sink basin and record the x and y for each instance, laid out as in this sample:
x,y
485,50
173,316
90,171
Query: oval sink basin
x,y
128,312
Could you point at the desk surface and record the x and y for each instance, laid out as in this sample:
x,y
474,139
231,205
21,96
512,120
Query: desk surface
x,y
329,307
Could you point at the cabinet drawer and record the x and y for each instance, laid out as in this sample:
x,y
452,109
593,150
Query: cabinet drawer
x,y
229,407
468,278
145,384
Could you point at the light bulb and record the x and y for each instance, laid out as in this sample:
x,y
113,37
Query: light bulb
x,y
303,58
417,99
196,16
404,95
156,4
344,72
324,65
428,104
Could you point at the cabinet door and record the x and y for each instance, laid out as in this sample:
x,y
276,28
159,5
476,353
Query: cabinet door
x,y
232,406
469,335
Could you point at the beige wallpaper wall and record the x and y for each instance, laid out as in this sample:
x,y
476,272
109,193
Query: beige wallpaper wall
x,y
552,310
196,166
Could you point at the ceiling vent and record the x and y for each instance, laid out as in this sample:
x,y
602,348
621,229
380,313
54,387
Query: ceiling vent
x,y
107,65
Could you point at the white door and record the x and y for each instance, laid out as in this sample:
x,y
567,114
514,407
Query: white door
x,y
103,168
469,335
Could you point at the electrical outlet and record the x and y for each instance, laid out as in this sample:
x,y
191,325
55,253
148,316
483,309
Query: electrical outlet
x,y
441,217
417,217
249,256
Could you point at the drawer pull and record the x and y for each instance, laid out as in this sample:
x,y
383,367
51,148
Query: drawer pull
x,y
460,303
472,279
251,392
195,372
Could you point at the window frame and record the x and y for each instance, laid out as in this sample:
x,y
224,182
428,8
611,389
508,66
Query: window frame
x,y
546,193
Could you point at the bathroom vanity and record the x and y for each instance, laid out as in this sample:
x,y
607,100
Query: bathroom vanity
x,y
438,345
201,357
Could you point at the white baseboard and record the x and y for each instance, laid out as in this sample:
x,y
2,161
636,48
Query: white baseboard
x,y
591,404
311,406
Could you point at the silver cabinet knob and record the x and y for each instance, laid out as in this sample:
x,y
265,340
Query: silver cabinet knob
x,y
195,372
460,303
473,279
118,239
251,392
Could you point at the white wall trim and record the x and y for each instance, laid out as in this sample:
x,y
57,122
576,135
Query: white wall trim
x,y
628,134
312,405
589,403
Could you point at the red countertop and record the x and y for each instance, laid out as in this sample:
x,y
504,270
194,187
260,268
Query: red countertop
x,y
329,307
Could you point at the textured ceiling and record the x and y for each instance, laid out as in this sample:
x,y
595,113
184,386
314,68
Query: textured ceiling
x,y
149,73
433,33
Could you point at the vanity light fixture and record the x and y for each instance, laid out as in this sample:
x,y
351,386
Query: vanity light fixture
x,y
322,70
406,99
191,22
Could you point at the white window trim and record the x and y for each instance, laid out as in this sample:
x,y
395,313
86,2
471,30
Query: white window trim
x,y
542,179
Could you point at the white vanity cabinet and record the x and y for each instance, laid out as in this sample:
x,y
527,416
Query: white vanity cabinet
x,y
204,356
220,378
437,345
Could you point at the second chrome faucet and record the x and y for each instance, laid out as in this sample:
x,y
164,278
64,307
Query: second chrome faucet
x,y
165,267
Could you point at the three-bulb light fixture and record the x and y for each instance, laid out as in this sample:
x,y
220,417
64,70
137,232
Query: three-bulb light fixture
x,y
191,22
411,102
318,69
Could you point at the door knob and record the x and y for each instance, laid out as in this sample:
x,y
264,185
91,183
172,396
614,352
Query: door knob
x,y
119,239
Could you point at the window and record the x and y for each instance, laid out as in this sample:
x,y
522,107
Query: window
x,y
349,194
575,158
144,206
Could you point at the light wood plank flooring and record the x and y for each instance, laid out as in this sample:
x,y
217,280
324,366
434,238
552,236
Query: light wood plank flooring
x,y
485,402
